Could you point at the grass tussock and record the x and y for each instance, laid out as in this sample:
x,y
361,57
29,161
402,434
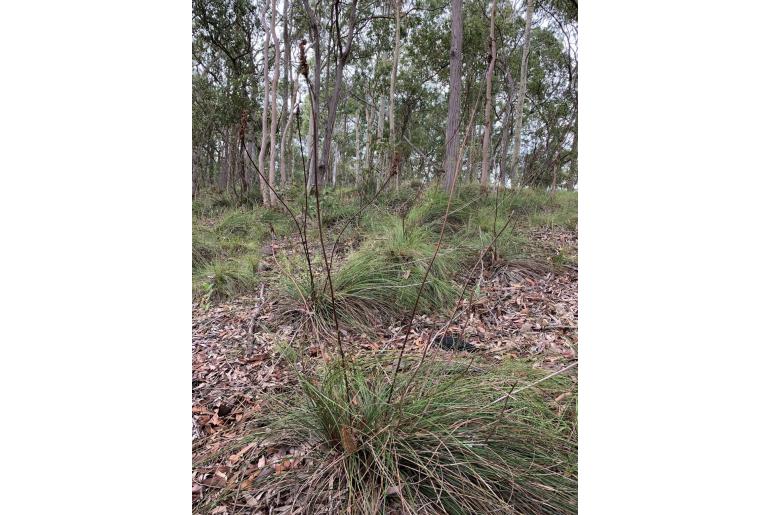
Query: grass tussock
x,y
429,212
392,242
381,279
444,446
226,278
226,249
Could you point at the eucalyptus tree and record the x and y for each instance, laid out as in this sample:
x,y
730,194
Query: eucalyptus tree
x,y
455,80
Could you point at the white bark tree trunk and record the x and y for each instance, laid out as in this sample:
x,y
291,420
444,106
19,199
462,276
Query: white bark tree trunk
x,y
287,131
393,76
369,112
274,103
522,92
380,132
265,103
488,108
358,152
287,89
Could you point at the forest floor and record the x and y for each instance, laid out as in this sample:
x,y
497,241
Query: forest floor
x,y
519,309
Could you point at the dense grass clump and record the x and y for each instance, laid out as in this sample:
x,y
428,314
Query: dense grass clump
x,y
226,249
429,212
226,278
443,446
381,279
204,247
239,223
210,203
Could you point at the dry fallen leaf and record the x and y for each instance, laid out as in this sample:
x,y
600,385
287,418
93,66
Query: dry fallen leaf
x,y
235,458
348,440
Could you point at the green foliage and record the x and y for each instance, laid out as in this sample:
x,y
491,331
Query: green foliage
x,y
226,278
445,446
381,278
204,247
481,229
430,210
226,249
210,203
560,210
239,223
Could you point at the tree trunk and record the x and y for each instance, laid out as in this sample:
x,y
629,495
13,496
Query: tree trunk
x,y
336,155
488,108
314,91
380,131
274,104
369,112
285,110
224,162
342,58
358,152
522,92
393,75
265,102
287,131
455,77
232,179
506,128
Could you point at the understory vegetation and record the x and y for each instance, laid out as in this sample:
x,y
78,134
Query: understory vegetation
x,y
442,436
459,438
384,252
370,181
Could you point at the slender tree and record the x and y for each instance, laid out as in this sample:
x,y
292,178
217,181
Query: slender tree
x,y
485,157
522,91
274,103
455,83
393,76
265,103
287,90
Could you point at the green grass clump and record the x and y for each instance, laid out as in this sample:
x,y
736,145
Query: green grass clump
x,y
281,222
209,203
444,446
429,211
226,278
204,247
560,217
480,230
337,206
225,257
241,224
541,207
381,279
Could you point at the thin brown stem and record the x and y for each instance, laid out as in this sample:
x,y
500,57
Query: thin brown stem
x,y
435,252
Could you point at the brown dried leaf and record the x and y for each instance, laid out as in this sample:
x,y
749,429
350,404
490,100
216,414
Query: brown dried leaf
x,y
235,458
349,440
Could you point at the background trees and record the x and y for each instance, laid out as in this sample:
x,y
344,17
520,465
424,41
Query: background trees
x,y
386,72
